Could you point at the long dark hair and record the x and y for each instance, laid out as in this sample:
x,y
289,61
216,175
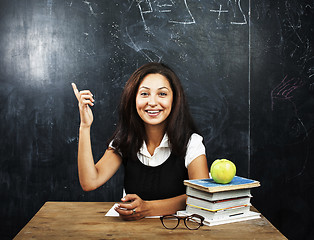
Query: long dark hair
x,y
130,132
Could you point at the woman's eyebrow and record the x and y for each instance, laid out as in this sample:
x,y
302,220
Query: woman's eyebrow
x,y
158,88
163,88
144,87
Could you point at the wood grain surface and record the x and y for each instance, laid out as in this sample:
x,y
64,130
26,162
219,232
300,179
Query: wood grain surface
x,y
87,220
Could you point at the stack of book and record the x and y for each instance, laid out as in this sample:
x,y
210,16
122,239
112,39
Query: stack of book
x,y
220,203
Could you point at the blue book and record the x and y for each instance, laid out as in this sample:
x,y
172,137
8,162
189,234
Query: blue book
x,y
209,185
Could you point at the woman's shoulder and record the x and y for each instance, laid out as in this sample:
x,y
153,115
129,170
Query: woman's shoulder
x,y
195,148
195,137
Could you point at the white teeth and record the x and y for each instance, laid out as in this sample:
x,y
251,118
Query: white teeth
x,y
153,112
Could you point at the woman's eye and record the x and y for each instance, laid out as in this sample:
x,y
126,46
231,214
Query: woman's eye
x,y
163,94
144,94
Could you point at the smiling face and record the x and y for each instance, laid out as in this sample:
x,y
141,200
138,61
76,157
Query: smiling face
x,y
154,100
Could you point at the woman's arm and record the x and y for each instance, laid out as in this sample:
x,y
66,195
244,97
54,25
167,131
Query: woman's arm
x,y
197,169
91,176
132,202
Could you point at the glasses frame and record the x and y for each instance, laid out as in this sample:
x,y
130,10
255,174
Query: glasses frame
x,y
184,218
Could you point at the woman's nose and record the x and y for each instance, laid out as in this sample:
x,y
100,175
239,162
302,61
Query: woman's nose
x,y
152,101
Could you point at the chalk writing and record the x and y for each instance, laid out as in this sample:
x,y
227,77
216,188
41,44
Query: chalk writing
x,y
170,7
242,15
233,7
145,7
219,11
164,7
191,21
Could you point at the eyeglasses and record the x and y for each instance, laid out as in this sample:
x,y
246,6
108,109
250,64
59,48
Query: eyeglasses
x,y
192,222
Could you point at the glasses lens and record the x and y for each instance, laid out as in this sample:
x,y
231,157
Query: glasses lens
x,y
170,222
193,222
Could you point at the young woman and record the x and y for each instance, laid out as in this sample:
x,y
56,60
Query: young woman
x,y
155,140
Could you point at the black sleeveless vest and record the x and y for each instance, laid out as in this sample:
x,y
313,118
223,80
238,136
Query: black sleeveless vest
x,y
154,183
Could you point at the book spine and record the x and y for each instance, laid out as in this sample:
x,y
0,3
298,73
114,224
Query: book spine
x,y
220,204
218,210
208,185
218,214
190,191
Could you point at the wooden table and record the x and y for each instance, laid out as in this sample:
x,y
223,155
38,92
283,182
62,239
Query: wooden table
x,y
87,220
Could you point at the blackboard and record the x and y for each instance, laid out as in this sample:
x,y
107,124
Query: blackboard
x,y
283,113
246,67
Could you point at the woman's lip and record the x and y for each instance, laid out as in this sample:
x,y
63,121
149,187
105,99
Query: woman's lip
x,y
153,113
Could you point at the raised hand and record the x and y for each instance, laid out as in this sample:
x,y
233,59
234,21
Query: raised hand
x,y
85,100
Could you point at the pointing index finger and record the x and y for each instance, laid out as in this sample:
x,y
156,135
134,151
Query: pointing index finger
x,y
76,91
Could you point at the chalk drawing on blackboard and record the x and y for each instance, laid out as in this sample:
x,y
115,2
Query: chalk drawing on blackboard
x,y
90,7
187,21
165,7
219,11
244,21
286,91
145,7
235,10
152,57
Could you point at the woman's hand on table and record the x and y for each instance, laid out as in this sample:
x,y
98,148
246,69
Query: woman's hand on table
x,y
132,208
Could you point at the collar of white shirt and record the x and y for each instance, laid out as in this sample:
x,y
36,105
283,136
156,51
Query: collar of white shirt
x,y
163,144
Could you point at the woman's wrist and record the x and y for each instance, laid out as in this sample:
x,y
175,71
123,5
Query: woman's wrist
x,y
148,208
84,127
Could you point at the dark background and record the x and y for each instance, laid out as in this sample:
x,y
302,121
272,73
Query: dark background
x,y
246,66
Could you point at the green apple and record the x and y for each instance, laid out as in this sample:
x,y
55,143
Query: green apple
x,y
222,171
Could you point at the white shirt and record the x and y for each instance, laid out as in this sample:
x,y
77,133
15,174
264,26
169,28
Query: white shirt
x,y
195,148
